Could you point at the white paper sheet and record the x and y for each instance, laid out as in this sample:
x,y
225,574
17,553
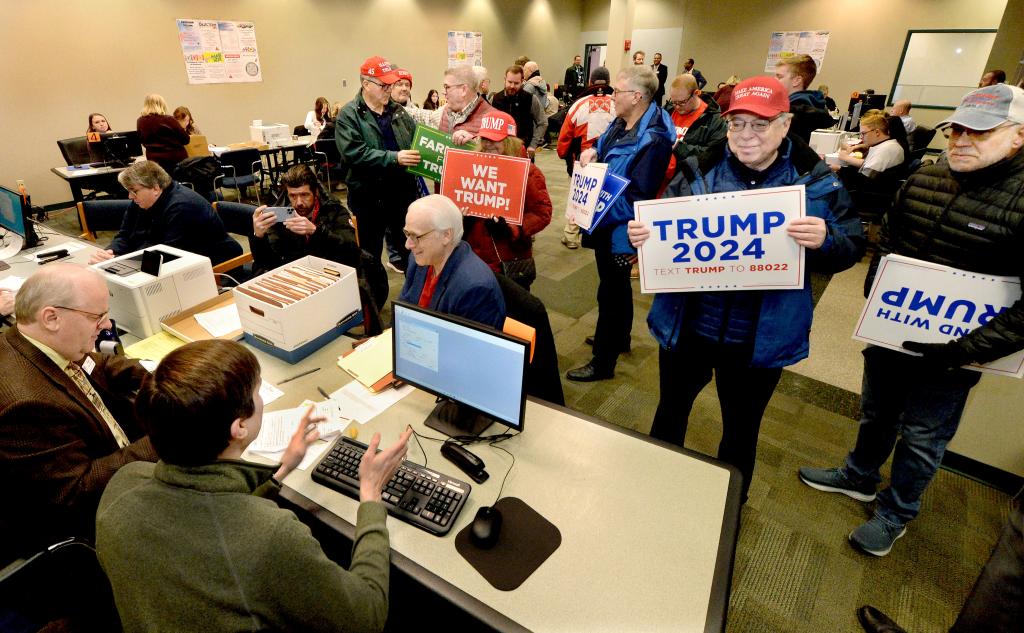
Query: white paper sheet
x,y
220,322
361,405
269,392
12,283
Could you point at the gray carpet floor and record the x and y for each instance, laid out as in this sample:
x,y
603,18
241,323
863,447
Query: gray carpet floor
x,y
794,570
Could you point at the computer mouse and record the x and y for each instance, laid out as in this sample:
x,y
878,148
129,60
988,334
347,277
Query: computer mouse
x,y
486,527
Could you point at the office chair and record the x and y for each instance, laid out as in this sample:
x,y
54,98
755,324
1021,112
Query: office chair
x,y
75,150
62,588
101,215
240,168
919,139
329,159
543,380
237,219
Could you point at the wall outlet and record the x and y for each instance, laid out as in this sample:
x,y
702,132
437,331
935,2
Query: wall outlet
x,y
344,83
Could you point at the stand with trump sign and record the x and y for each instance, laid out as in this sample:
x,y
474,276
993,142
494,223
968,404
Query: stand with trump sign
x,y
722,241
914,300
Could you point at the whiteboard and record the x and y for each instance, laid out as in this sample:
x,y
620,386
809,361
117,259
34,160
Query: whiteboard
x,y
938,67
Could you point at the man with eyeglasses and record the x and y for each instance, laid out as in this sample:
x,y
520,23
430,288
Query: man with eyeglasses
x,y
697,119
66,419
464,109
372,132
444,273
637,146
745,338
967,213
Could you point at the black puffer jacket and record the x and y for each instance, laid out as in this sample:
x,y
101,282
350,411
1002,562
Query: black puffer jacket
x,y
973,221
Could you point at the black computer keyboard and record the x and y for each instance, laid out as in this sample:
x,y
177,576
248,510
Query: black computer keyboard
x,y
417,495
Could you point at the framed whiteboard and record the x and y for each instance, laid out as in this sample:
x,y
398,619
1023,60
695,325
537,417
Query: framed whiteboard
x,y
938,67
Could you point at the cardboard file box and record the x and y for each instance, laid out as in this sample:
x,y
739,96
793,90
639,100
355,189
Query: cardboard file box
x,y
296,309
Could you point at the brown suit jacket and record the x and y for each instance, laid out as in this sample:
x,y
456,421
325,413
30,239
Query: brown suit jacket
x,y
56,452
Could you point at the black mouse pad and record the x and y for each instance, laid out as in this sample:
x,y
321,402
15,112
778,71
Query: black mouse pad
x,y
525,542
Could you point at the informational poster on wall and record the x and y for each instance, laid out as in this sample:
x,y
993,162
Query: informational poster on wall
x,y
914,300
722,241
785,44
219,51
465,47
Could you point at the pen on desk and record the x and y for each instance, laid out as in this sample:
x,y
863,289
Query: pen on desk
x,y
305,373
323,393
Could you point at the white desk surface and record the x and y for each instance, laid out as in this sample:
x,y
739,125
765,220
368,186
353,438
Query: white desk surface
x,y
23,267
647,537
70,174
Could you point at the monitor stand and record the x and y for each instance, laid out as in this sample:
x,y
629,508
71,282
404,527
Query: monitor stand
x,y
453,419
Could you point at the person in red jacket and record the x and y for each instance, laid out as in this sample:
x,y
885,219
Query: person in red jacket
x,y
161,134
494,240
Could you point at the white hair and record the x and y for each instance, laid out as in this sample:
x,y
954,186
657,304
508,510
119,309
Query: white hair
x,y
443,213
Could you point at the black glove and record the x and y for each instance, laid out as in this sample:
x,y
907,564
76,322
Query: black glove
x,y
943,355
498,227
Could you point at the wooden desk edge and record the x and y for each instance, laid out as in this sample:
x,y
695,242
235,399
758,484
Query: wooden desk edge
x,y
718,603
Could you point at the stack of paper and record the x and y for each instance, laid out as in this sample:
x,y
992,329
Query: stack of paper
x,y
371,363
279,426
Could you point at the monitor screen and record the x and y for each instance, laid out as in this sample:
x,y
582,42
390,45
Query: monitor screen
x,y
12,214
476,369
117,147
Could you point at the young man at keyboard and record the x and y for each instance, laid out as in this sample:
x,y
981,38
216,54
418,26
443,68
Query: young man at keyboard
x,y
193,544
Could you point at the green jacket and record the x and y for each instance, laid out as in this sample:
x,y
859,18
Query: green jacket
x,y
199,549
361,145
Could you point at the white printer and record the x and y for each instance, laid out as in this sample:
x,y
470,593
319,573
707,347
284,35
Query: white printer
x,y
139,300
271,133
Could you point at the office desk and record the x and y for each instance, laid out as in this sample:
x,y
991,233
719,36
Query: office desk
x,y
92,178
275,157
22,267
648,532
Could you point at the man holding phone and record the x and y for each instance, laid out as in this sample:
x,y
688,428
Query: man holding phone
x,y
314,224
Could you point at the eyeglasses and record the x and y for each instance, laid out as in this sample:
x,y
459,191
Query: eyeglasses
x,y
446,87
759,126
383,86
955,131
616,91
100,318
682,102
415,239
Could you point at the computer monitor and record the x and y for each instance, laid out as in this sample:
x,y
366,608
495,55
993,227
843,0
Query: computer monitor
x,y
476,371
12,214
116,148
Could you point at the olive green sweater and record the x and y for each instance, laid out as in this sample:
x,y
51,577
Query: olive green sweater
x,y
200,549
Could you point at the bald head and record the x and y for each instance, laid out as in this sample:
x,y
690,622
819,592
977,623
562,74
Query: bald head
x,y
530,67
63,306
901,107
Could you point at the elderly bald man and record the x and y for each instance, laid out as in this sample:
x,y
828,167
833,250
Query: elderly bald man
x,y
66,419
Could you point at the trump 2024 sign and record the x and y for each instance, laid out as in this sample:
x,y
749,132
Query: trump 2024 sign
x,y
914,300
722,241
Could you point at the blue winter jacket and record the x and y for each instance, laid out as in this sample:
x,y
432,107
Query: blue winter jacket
x,y
466,288
643,159
784,320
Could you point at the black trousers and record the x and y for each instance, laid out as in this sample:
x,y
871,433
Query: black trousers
x,y
743,394
375,215
614,304
996,604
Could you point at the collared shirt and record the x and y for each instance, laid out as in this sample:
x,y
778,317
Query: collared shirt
x,y
78,376
455,118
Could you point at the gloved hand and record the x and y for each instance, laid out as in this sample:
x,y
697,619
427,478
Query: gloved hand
x,y
943,355
498,227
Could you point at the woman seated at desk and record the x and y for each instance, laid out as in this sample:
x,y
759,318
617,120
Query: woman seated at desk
x,y
165,212
98,123
184,118
161,134
319,117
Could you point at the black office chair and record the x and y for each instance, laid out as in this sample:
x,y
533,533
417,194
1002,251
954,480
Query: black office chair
x,y
199,173
920,138
543,380
240,168
329,160
62,588
75,150
101,215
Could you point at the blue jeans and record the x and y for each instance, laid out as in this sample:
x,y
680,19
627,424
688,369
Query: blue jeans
x,y
906,397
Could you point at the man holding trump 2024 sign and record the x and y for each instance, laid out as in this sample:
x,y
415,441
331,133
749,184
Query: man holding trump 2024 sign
x,y
743,335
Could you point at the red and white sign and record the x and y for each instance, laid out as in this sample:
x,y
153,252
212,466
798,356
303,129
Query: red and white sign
x,y
486,185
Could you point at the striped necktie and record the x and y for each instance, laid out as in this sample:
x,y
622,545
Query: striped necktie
x,y
76,374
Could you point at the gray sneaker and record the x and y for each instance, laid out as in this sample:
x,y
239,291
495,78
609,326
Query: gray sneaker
x,y
876,536
833,480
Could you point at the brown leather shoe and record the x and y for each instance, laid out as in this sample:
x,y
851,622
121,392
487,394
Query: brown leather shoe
x,y
874,621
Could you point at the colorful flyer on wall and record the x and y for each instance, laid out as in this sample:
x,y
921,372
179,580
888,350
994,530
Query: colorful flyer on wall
x,y
584,192
914,300
486,185
722,241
